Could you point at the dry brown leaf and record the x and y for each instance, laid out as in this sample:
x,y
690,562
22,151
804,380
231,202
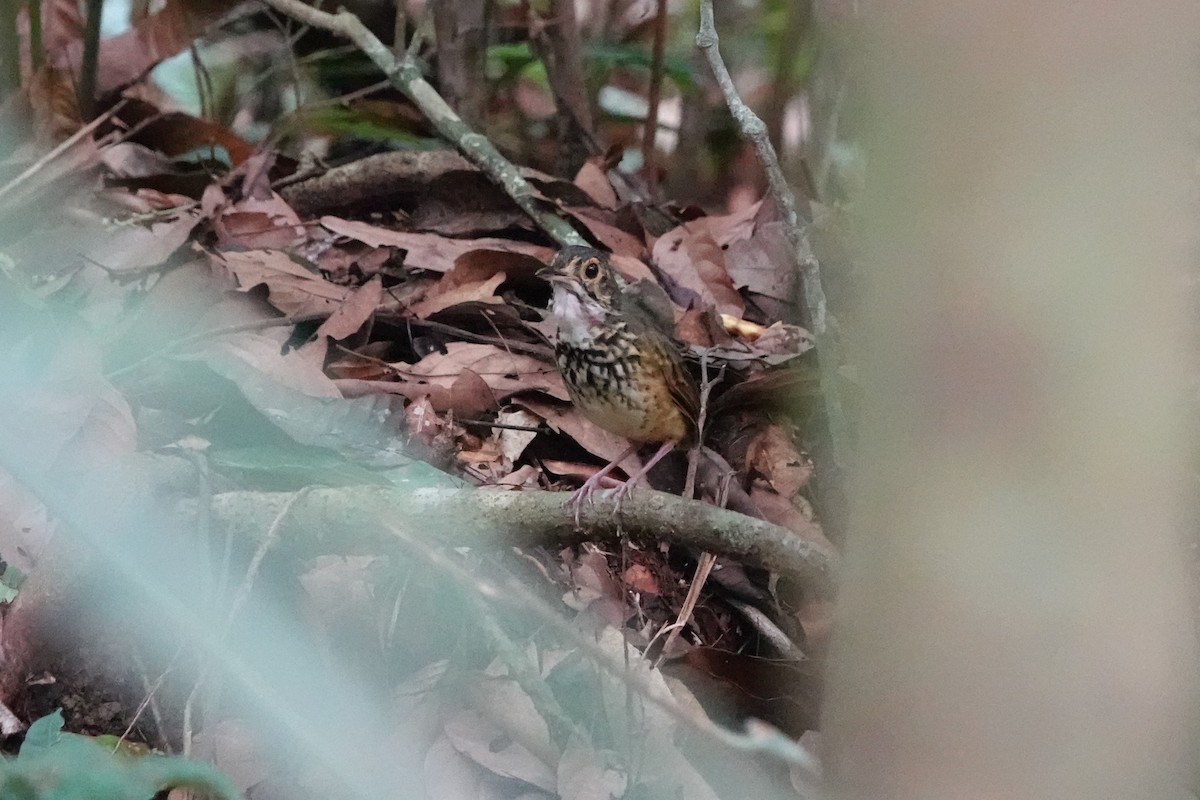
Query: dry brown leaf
x,y
764,263
354,311
773,454
483,291
263,350
429,250
505,373
526,477
609,235
781,511
292,288
134,247
177,134
727,228
253,224
639,578
470,395
591,437
591,179
634,269
783,340
695,264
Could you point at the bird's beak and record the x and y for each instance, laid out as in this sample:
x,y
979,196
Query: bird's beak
x,y
551,274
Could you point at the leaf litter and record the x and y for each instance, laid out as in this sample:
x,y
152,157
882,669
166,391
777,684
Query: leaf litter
x,y
401,358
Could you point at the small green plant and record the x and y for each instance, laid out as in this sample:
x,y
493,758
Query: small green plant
x,y
54,765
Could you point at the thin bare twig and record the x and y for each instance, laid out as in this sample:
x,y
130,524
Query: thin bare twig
x,y
650,129
754,130
59,149
405,74
91,59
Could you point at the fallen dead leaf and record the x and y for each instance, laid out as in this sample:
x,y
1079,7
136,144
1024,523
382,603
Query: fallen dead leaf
x,y
483,291
641,579
505,373
259,223
695,265
470,395
764,263
429,250
291,288
773,454
513,442
593,438
354,311
591,179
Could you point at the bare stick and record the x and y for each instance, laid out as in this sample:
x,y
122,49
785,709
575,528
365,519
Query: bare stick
x,y
348,519
650,129
754,130
405,75
59,149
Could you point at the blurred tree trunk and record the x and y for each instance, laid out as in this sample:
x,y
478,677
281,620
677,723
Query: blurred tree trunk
x,y
1014,619
461,29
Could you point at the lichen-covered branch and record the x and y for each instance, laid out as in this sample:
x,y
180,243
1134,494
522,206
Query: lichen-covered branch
x,y
754,129
351,519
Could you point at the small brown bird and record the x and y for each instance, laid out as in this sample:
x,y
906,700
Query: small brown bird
x,y
620,365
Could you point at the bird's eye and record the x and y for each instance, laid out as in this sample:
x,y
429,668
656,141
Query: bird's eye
x,y
591,270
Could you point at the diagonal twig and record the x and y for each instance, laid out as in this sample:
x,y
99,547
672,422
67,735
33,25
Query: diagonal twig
x,y
405,74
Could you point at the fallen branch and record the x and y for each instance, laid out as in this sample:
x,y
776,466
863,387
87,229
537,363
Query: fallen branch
x,y
354,519
405,74
754,130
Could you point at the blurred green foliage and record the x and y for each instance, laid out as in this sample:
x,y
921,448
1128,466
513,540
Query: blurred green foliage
x,y
53,765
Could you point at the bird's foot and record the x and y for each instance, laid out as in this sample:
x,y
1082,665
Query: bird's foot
x,y
586,492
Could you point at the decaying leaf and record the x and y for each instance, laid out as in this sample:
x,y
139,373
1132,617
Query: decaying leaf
x,y
429,250
291,288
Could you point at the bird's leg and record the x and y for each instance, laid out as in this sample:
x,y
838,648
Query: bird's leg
x,y
590,486
624,490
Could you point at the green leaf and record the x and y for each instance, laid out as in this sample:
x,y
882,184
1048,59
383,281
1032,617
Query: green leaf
x,y
79,768
42,735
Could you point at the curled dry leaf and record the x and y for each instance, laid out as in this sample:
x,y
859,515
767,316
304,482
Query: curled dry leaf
x,y
565,419
618,241
773,455
591,179
764,263
291,288
253,223
695,265
470,395
482,291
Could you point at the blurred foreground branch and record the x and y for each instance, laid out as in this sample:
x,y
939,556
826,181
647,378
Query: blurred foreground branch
x,y
405,74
